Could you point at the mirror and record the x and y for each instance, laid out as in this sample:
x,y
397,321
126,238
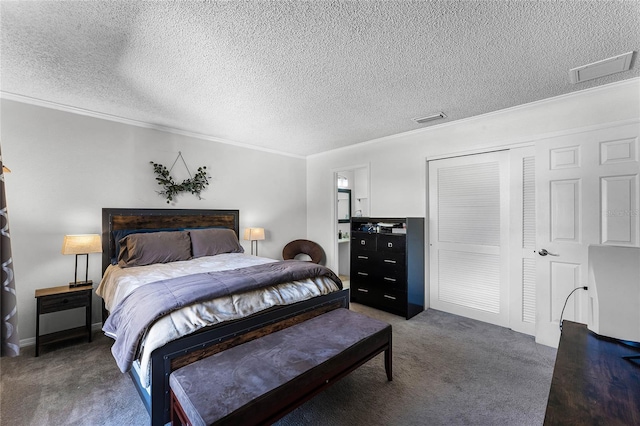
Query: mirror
x,y
344,205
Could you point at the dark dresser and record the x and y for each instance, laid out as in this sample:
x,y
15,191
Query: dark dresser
x,y
387,264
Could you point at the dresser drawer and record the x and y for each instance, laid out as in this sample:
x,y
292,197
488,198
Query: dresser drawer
x,y
363,294
364,260
363,267
394,300
396,281
361,276
390,243
59,302
391,262
363,257
361,241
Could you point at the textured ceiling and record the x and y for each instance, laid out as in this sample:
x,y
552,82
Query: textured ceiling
x,y
305,77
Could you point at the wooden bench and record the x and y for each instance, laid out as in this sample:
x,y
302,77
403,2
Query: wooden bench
x,y
260,381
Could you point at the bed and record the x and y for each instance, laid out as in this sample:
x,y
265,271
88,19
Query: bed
x,y
243,316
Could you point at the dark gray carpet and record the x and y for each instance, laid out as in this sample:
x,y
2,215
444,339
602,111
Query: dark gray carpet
x,y
448,370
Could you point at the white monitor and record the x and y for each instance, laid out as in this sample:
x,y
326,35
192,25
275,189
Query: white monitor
x,y
614,292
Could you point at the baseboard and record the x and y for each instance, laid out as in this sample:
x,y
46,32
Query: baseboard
x,y
31,341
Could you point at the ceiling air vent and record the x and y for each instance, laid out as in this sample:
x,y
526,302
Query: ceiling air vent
x,y
601,68
428,118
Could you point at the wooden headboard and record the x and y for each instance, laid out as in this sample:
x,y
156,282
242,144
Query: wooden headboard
x,y
117,219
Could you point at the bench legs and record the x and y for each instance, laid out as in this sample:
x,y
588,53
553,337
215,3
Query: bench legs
x,y
388,360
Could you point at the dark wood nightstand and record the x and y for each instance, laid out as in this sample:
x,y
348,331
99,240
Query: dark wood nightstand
x,y
56,299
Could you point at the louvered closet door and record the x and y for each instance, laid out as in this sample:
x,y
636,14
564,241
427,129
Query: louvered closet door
x,y
522,240
469,236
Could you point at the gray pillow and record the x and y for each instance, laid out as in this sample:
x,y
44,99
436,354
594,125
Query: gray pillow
x,y
212,241
154,247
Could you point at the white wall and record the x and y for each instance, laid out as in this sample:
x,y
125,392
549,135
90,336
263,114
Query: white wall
x,y
66,167
398,184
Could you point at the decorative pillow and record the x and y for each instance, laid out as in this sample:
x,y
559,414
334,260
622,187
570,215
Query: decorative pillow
x,y
121,233
212,241
155,247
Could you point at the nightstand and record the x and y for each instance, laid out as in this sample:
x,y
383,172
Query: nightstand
x,y
56,299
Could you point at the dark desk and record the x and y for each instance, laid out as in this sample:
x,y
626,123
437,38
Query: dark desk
x,y
592,384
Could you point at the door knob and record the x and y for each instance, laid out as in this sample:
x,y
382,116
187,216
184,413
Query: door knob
x,y
544,252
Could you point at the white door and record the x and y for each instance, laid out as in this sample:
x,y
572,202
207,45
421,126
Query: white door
x,y
587,193
469,235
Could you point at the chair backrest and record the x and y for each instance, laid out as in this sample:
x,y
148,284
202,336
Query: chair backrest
x,y
614,291
297,247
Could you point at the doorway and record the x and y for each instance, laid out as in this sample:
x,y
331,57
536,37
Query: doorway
x,y
351,197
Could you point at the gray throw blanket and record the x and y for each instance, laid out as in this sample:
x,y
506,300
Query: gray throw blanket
x,y
129,320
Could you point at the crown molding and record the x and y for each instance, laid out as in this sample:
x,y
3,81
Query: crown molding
x,y
89,113
426,130
123,120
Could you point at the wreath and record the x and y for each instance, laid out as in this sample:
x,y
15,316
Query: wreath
x,y
171,188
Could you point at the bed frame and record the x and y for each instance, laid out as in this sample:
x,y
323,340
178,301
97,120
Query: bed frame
x,y
209,340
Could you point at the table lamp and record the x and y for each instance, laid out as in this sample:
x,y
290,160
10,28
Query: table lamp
x,y
254,234
81,245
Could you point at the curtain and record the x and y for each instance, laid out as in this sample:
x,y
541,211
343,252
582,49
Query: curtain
x,y
10,345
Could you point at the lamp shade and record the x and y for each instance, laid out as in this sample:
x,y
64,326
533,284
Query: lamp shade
x,y
254,234
81,244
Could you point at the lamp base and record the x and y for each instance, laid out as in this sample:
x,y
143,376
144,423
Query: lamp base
x,y
80,283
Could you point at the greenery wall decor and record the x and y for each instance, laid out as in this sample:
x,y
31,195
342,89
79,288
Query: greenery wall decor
x,y
195,184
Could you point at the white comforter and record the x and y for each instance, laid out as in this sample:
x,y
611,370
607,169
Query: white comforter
x,y
118,282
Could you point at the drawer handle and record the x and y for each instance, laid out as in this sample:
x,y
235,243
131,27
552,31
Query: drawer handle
x,y
390,297
390,261
393,280
363,257
390,245
363,290
363,273
363,242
